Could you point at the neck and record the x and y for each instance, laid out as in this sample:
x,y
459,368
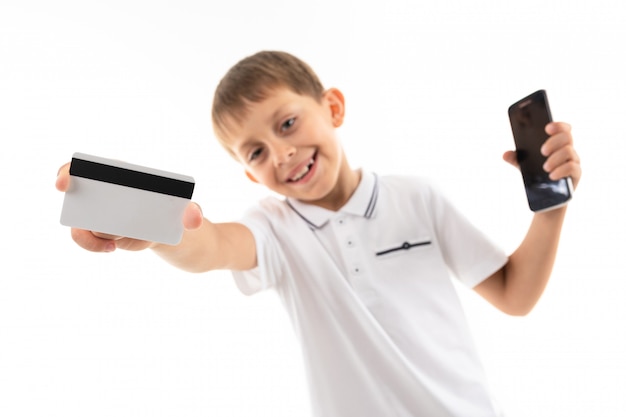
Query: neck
x,y
347,183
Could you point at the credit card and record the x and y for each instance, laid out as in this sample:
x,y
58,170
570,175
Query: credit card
x,y
122,199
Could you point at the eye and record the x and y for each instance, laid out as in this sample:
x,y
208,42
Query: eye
x,y
287,124
255,154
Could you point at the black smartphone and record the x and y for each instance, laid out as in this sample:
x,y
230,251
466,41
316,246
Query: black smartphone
x,y
529,117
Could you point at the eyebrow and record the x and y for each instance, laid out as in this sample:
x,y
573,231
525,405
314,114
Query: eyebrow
x,y
237,146
284,108
244,146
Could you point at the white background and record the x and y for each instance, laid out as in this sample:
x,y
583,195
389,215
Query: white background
x,y
427,86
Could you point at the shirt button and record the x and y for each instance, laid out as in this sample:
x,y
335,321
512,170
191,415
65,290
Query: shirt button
x,y
350,243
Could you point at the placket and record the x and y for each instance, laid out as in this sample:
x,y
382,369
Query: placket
x,y
358,273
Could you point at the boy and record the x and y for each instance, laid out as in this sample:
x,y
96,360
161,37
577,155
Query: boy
x,y
360,262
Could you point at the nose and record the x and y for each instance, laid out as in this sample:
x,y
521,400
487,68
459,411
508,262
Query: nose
x,y
283,152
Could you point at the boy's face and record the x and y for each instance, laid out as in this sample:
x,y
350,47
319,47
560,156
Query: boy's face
x,y
288,143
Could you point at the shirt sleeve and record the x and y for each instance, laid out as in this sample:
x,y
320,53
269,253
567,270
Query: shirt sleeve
x,y
470,255
269,256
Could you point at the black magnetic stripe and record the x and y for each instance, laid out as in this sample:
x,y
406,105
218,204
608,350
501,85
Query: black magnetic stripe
x,y
404,246
129,178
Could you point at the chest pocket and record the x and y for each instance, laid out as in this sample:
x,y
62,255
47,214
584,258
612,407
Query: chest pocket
x,y
407,246
412,264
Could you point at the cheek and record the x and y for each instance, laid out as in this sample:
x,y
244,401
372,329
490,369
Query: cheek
x,y
263,173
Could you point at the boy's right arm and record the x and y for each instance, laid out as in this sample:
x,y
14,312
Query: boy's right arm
x,y
205,246
211,246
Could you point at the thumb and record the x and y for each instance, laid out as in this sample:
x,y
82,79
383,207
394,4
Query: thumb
x,y
63,178
511,158
192,217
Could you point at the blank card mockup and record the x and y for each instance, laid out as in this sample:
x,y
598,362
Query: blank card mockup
x,y
123,199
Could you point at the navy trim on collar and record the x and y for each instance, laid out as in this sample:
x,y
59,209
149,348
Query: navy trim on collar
x,y
373,199
312,225
362,203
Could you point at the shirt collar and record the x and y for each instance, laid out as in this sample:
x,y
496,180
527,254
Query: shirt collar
x,y
362,203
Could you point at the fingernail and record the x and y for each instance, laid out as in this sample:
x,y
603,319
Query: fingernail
x,y
110,247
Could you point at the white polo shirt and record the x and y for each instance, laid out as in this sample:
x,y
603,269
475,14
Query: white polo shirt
x,y
369,293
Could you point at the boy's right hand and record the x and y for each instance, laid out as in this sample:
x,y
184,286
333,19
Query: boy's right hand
x,y
100,242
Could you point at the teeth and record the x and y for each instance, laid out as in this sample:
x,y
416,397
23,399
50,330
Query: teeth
x,y
303,171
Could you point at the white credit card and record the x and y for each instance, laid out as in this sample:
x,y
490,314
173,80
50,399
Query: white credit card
x,y
123,199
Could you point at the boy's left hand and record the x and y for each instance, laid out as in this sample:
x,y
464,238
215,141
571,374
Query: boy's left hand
x,y
562,159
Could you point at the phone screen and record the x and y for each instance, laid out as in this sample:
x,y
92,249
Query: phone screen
x,y
529,117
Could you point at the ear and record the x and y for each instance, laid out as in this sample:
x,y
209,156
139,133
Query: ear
x,y
251,177
337,105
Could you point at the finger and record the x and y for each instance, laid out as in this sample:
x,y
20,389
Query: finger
x,y
125,243
87,240
557,127
559,157
192,217
564,163
570,169
511,158
132,244
105,236
556,142
63,178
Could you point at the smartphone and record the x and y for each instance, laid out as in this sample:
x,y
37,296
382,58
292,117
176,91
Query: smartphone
x,y
529,117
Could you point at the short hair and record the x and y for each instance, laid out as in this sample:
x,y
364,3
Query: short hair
x,y
252,79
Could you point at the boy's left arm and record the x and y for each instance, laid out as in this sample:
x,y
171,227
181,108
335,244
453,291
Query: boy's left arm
x,y
517,286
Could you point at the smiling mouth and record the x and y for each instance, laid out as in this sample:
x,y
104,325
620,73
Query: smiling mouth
x,y
305,170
